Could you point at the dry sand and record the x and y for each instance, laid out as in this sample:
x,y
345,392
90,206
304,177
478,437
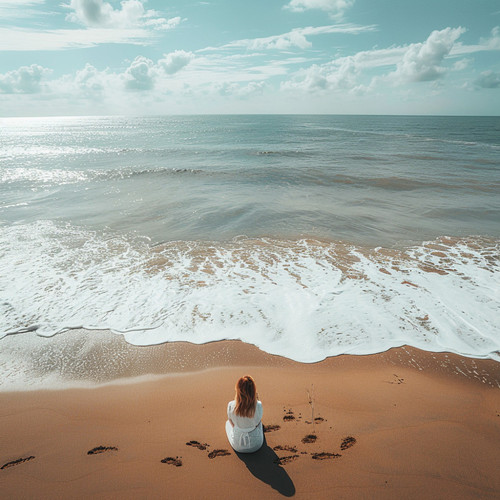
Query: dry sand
x,y
424,426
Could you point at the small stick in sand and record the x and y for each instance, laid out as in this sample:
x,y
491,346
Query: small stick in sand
x,y
310,395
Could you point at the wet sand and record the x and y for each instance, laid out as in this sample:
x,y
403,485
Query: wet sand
x,y
400,424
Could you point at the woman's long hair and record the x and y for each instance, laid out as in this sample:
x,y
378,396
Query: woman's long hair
x,y
246,397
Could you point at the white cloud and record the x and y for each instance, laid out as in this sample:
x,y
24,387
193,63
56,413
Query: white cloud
x,y
165,24
17,9
25,80
295,38
461,64
340,74
130,24
493,41
16,4
414,63
147,80
132,14
343,73
89,80
19,3
333,7
422,61
488,80
17,39
175,61
141,74
87,84
206,70
252,88
243,75
237,90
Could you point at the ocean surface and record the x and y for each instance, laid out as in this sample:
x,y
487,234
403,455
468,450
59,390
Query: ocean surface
x,y
308,236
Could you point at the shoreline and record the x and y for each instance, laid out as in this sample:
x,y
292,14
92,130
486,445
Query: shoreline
x,y
424,424
88,359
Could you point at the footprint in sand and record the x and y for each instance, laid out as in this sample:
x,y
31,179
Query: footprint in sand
x,y
347,442
196,444
310,438
101,449
218,453
285,447
16,462
324,455
285,460
397,380
177,462
270,428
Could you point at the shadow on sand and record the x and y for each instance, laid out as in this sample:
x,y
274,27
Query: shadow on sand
x,y
263,464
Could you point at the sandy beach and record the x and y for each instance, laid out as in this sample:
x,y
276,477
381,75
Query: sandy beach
x,y
400,424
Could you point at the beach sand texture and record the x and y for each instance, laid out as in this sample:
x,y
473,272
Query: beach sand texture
x,y
400,424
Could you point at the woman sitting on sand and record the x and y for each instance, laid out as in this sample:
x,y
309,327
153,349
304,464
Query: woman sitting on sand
x,y
244,418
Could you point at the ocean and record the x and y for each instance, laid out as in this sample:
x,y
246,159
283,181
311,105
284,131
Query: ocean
x,y
308,236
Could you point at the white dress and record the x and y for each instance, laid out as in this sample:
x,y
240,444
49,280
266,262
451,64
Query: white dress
x,y
247,434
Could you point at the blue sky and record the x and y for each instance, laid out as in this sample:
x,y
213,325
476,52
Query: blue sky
x,y
81,57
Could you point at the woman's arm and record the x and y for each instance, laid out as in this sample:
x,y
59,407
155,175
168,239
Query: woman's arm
x,y
229,414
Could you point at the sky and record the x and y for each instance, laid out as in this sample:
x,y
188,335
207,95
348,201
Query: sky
x,y
137,57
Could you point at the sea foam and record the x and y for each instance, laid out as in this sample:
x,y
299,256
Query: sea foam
x,y
303,299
